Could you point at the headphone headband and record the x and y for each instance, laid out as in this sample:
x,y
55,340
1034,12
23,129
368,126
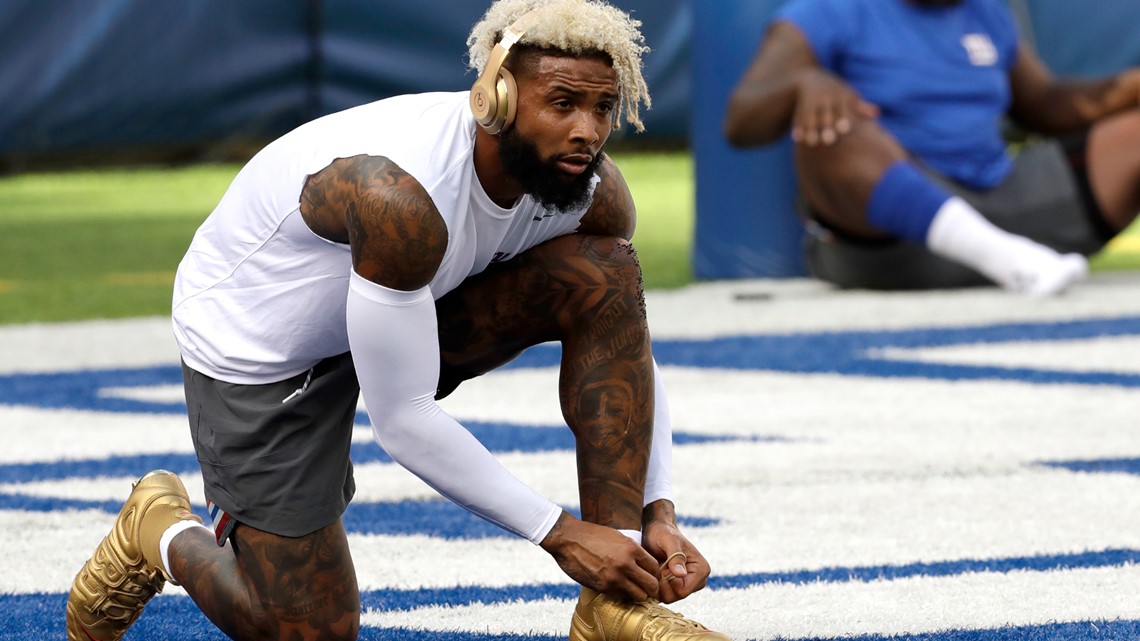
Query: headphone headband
x,y
493,94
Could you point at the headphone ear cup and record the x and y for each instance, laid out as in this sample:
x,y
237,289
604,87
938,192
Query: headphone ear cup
x,y
508,95
484,104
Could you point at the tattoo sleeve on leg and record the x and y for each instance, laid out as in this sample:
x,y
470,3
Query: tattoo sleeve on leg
x,y
273,587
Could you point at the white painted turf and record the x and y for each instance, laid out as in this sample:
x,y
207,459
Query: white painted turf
x,y
842,504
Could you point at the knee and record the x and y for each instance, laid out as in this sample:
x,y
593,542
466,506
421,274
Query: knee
x,y
616,251
342,625
861,154
613,263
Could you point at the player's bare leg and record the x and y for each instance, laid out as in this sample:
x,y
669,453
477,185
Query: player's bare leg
x,y
265,586
259,586
587,293
1113,155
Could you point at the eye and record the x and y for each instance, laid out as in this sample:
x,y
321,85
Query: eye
x,y
605,107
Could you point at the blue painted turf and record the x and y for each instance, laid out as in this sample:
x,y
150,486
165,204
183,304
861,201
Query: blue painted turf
x,y
40,616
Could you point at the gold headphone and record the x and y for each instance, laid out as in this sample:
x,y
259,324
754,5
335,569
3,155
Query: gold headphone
x,y
494,96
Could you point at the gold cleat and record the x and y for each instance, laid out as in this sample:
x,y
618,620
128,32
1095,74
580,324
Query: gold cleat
x,y
125,571
598,617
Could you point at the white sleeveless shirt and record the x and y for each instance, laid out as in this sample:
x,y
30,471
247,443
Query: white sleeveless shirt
x,y
259,297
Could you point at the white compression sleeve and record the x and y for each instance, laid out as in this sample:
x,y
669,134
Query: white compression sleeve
x,y
659,478
395,347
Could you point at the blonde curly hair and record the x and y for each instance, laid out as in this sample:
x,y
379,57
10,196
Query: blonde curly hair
x,y
576,27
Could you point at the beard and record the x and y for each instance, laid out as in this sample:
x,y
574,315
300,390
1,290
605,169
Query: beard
x,y
541,178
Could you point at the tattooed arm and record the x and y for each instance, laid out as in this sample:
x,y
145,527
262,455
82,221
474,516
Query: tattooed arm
x,y
396,234
398,239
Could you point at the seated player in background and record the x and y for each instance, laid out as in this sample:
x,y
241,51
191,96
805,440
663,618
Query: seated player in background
x,y
896,109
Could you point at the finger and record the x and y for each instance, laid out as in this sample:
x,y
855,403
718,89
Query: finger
x,y
683,587
674,564
668,590
644,585
829,115
633,591
867,109
645,561
808,123
698,576
643,574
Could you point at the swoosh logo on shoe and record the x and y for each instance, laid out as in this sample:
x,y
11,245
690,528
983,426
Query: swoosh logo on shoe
x,y
86,633
589,628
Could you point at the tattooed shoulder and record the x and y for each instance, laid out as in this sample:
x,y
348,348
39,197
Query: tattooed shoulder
x,y
388,219
612,212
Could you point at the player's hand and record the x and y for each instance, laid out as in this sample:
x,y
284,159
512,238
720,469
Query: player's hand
x,y
602,559
683,569
827,108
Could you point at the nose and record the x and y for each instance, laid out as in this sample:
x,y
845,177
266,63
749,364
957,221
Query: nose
x,y
585,129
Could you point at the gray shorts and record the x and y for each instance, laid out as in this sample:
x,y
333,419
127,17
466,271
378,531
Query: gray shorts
x,y
275,456
1045,198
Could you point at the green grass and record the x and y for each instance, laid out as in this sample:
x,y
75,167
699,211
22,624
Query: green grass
x,y
662,187
105,244
98,244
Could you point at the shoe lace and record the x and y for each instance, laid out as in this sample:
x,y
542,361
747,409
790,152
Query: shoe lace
x,y
125,601
130,599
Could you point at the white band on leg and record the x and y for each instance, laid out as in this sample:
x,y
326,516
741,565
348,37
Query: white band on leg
x,y
164,543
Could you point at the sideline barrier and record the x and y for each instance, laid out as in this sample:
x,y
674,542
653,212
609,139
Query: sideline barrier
x,y
83,76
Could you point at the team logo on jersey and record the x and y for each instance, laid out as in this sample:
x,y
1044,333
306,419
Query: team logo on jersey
x,y
980,49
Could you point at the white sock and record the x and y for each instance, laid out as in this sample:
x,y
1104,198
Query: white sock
x,y
959,232
634,535
164,543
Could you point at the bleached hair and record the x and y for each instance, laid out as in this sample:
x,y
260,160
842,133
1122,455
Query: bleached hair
x,y
576,27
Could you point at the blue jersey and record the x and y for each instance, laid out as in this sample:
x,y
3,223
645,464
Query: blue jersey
x,y
940,74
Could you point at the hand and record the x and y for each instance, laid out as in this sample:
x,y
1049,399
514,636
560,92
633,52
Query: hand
x,y
1101,100
683,568
827,108
602,559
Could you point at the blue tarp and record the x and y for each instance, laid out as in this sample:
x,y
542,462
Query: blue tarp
x,y
110,74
